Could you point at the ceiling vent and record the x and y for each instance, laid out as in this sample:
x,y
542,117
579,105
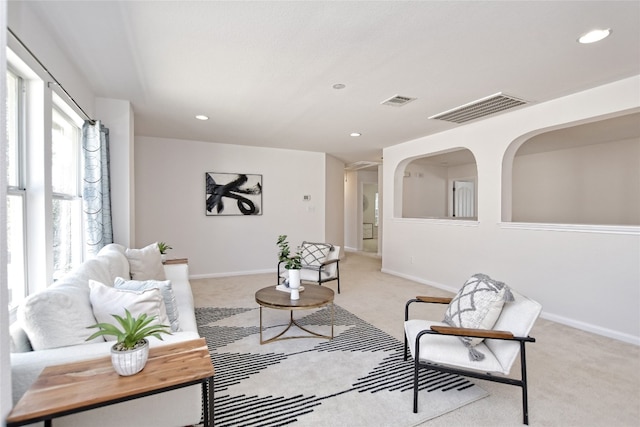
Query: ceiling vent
x,y
481,108
362,164
398,101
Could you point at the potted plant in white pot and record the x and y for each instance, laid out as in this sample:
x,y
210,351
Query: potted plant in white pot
x,y
130,352
293,263
163,248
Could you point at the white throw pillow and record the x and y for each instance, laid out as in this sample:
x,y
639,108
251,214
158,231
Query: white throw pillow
x,y
165,289
146,263
477,305
107,301
57,317
314,254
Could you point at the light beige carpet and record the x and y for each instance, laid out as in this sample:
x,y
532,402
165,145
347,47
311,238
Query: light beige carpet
x,y
310,382
576,378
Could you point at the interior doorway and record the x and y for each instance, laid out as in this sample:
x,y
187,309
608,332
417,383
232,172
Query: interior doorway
x,y
462,198
370,217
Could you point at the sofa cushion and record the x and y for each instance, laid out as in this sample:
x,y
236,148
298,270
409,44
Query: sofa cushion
x,y
145,263
57,317
165,289
477,305
113,255
107,301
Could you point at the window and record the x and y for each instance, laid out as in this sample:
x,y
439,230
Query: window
x,y
29,204
67,203
16,267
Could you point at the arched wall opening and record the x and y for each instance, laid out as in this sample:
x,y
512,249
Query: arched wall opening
x,y
583,174
441,185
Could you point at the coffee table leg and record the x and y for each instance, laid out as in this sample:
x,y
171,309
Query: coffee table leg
x,y
261,341
332,308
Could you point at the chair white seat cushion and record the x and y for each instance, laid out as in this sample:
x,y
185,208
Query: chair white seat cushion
x,y
450,350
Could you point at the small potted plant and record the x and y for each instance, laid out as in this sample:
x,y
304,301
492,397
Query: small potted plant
x,y
163,247
130,352
293,263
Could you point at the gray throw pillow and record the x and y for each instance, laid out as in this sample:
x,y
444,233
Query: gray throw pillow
x,y
477,305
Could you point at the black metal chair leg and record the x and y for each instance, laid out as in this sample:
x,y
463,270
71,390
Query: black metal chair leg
x,y
525,398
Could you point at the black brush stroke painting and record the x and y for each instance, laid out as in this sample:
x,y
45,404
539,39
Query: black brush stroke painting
x,y
233,194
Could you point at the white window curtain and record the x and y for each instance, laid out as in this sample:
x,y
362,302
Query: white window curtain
x,y
96,191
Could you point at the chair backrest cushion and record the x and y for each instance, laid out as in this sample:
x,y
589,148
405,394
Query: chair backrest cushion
x,y
314,254
517,317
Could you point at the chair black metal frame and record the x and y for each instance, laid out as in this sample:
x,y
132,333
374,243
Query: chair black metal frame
x,y
479,333
320,280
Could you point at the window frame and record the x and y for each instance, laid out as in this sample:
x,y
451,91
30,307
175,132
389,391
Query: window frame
x,y
17,184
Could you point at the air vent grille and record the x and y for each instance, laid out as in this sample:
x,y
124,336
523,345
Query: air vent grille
x,y
398,101
481,108
361,164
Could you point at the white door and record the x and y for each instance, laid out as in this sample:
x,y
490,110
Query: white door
x,y
463,199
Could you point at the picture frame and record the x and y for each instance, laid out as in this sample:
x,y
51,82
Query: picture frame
x,y
229,194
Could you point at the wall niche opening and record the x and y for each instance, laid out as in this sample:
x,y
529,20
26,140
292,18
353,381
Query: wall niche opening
x,y
441,186
588,174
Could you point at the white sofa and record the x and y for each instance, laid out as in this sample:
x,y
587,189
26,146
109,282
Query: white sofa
x,y
66,305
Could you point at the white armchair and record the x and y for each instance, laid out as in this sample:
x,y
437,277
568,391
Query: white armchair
x,y
439,346
320,264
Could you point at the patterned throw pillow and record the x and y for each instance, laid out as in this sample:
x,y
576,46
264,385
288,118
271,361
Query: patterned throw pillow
x,y
477,305
165,289
314,254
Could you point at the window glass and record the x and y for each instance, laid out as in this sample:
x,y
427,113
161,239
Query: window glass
x,y
67,205
13,114
67,235
64,154
16,266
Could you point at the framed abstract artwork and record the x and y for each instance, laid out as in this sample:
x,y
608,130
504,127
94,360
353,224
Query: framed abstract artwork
x,y
233,194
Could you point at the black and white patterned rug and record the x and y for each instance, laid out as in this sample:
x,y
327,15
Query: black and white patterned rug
x,y
357,379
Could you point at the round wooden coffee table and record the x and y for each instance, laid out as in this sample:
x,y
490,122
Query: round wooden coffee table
x,y
313,296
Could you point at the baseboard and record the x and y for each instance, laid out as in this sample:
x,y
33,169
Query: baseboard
x,y
595,329
232,273
584,326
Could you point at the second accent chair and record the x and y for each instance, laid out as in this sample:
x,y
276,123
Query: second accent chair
x,y
320,264
485,327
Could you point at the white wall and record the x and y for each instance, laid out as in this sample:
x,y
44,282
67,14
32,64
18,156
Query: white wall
x,y
593,184
585,277
351,225
424,191
334,202
170,203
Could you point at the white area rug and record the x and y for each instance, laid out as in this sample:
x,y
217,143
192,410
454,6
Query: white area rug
x,y
357,379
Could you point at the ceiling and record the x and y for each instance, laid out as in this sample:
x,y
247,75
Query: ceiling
x,y
264,71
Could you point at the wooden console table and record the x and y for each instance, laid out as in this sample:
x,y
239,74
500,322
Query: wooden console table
x,y
75,387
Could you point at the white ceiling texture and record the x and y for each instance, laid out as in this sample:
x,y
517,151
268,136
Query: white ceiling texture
x,y
264,71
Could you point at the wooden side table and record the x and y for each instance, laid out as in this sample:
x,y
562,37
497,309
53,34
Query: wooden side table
x,y
75,387
176,261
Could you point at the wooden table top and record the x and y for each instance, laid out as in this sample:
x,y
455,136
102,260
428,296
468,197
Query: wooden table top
x,y
90,383
313,296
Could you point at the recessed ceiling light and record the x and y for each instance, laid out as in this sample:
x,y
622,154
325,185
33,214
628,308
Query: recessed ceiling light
x,y
339,86
202,117
355,134
594,36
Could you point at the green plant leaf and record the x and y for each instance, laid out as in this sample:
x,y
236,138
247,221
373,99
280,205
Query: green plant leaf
x,y
133,330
